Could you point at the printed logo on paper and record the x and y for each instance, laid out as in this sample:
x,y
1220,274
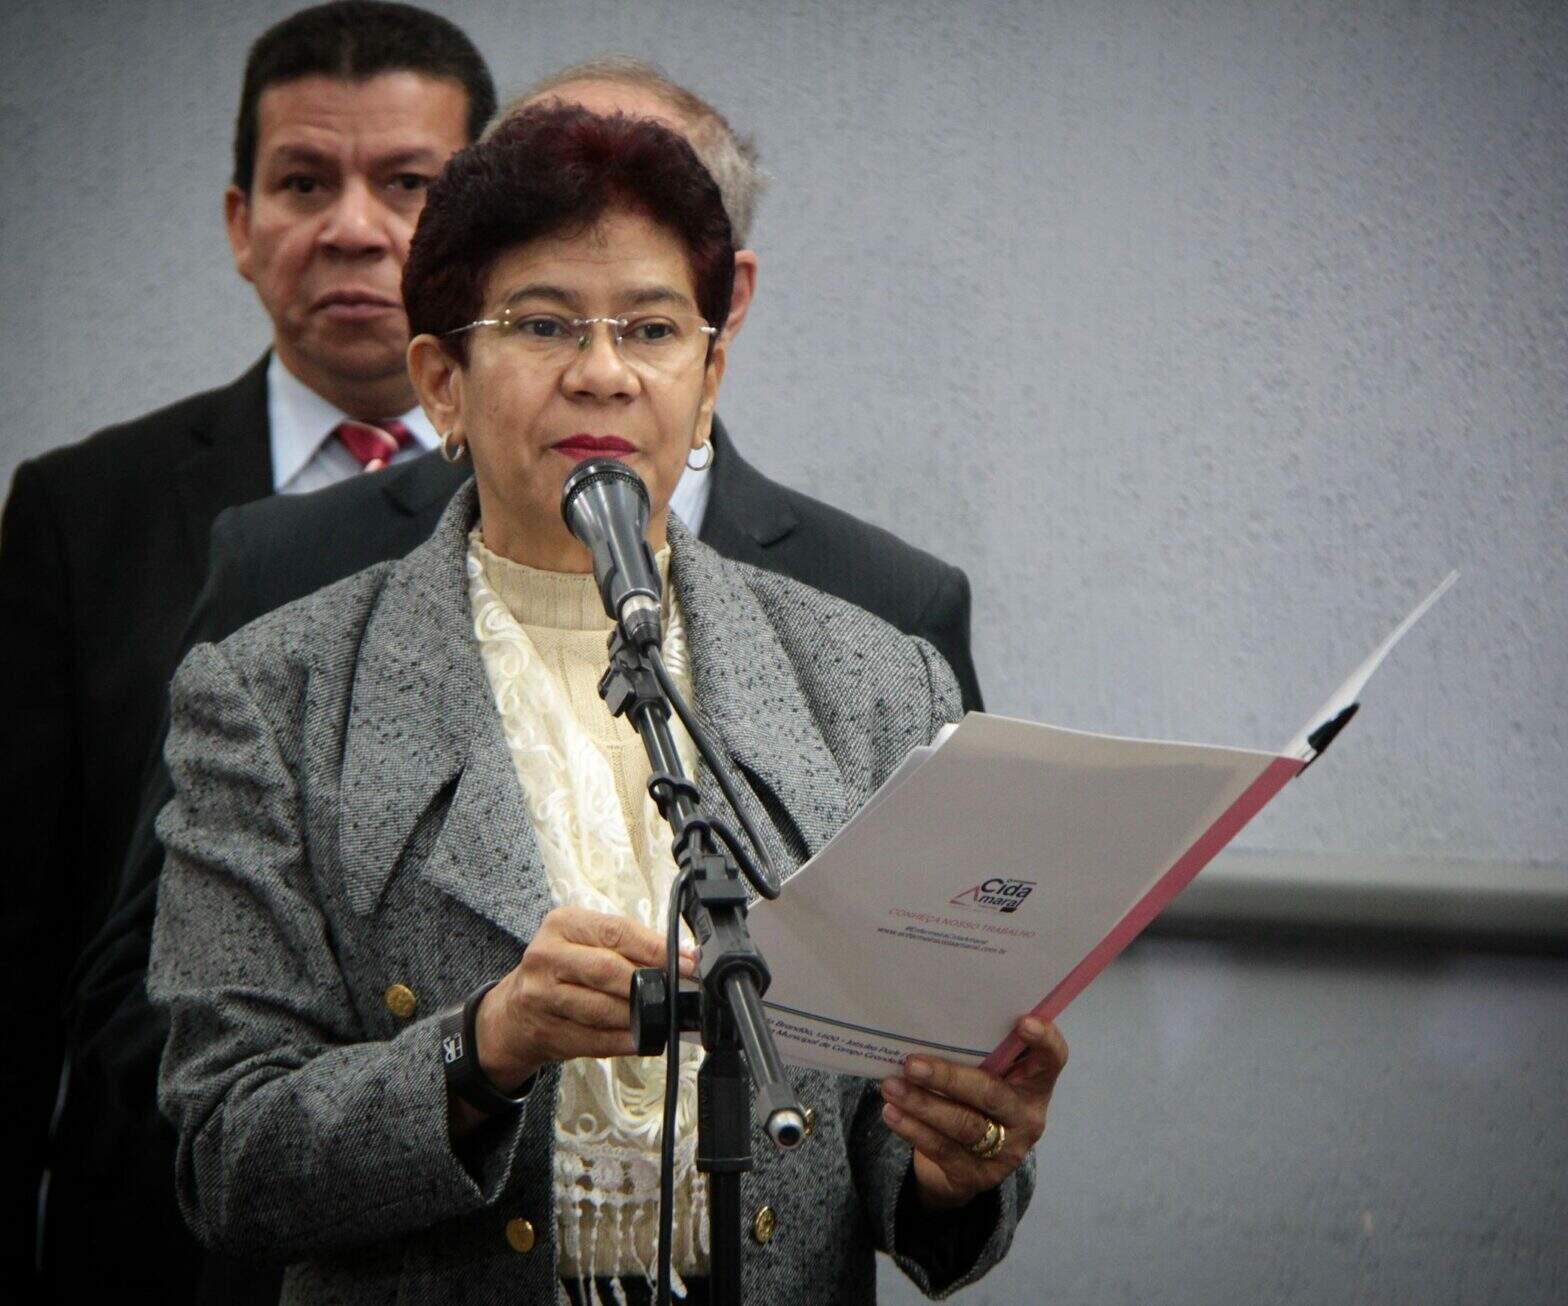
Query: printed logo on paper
x,y
996,894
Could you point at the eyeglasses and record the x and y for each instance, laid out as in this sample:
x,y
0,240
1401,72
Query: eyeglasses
x,y
661,342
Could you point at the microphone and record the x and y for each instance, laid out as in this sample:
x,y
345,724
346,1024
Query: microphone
x,y
605,505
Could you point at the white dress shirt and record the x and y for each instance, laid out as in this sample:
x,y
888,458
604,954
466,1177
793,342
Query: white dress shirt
x,y
305,455
690,500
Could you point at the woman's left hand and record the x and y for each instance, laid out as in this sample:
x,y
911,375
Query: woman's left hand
x,y
944,1111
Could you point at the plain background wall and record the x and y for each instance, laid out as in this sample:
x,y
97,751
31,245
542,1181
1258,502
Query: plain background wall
x,y
1206,336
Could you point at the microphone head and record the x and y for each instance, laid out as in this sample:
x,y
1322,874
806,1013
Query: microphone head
x,y
605,505
613,484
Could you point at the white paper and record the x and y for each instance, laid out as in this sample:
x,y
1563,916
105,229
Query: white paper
x,y
986,869
951,905
1350,691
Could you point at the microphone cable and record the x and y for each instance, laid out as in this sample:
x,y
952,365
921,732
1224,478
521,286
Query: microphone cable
x,y
672,1071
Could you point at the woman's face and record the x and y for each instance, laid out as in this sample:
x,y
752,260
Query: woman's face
x,y
529,416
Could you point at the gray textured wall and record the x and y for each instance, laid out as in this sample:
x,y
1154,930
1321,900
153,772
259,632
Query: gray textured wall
x,y
1206,336
1251,1123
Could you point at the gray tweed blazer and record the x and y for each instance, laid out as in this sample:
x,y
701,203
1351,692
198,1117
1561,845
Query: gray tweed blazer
x,y
347,819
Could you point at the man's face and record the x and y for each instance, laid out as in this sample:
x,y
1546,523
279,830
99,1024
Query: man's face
x,y
341,173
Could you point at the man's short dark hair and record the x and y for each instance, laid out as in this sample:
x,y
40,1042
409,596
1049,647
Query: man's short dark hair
x,y
354,40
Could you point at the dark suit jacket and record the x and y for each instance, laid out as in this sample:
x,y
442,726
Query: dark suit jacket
x,y
280,549
102,552
293,545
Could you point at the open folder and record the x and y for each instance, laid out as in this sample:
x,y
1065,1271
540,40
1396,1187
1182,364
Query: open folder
x,y
997,871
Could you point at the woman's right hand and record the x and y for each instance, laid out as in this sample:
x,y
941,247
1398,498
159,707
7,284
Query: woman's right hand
x,y
569,996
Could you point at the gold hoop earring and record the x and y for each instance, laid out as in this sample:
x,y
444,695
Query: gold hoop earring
x,y
453,453
706,462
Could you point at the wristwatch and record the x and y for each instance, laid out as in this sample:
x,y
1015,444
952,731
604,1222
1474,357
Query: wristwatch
x,y
460,1058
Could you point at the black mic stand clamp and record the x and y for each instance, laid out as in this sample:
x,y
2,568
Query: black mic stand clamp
x,y
725,1006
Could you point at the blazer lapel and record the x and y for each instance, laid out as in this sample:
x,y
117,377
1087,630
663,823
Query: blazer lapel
x,y
423,487
747,691
746,514
422,726
228,460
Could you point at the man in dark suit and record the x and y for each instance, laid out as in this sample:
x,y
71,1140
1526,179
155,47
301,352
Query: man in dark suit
x,y
347,112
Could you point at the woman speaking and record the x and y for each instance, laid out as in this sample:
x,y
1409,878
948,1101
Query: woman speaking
x,y
401,802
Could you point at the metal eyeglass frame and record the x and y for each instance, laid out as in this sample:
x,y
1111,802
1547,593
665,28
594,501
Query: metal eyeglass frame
x,y
583,326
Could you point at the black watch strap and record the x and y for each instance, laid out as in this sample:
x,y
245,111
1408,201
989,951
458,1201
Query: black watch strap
x,y
460,1056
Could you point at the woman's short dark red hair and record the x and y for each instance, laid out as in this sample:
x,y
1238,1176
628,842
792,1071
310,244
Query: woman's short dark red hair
x,y
550,170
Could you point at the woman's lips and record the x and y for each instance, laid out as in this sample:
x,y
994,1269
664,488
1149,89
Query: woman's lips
x,y
578,447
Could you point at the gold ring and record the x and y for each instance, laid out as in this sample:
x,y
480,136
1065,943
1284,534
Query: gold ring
x,y
991,1143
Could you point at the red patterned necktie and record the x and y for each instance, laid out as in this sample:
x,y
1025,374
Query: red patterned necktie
x,y
374,444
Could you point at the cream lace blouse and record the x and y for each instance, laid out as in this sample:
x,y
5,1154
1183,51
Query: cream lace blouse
x,y
604,846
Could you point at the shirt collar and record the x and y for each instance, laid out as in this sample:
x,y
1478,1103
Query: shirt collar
x,y
689,502
300,422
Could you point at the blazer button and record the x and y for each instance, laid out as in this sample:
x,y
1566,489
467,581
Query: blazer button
x,y
520,1235
811,1121
400,1001
763,1225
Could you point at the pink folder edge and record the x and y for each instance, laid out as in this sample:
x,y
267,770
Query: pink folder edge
x,y
1252,801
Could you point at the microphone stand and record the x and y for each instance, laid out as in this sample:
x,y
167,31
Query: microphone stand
x,y
726,1007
